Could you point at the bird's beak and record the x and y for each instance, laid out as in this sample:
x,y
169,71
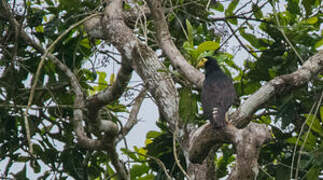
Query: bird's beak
x,y
201,63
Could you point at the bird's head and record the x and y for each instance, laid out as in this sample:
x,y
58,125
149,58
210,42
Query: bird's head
x,y
209,63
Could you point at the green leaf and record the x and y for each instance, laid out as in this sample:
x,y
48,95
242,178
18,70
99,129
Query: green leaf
x,y
85,43
316,126
102,82
189,31
293,140
126,6
223,57
257,11
22,159
49,2
189,48
130,154
318,43
293,7
152,134
21,175
310,142
253,40
36,167
232,64
117,107
311,20
39,29
251,87
229,11
313,173
231,7
308,5
111,172
218,6
138,170
321,113
147,177
187,104
112,78
207,46
204,54
233,21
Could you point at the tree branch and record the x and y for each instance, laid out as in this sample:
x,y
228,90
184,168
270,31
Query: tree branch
x,y
117,163
248,142
205,137
143,60
310,68
132,119
164,38
205,170
108,95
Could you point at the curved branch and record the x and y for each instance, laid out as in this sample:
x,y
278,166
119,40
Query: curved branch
x,y
142,59
248,142
310,68
117,163
205,137
110,94
132,120
164,38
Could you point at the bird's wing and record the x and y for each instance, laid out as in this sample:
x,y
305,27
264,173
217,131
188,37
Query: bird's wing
x,y
220,93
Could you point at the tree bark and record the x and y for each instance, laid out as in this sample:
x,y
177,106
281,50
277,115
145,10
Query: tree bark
x,y
197,143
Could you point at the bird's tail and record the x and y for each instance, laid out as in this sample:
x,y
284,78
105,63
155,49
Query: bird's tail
x,y
218,120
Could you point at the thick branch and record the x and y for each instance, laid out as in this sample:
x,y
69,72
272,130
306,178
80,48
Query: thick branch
x,y
168,46
310,68
110,94
205,137
143,60
113,92
205,170
248,143
132,119
117,163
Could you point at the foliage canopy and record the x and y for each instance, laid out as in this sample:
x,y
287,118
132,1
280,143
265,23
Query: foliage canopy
x,y
199,29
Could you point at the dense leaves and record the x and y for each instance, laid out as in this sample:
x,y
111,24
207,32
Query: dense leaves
x,y
197,32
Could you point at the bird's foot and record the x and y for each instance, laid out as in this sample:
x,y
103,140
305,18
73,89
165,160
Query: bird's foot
x,y
215,113
217,121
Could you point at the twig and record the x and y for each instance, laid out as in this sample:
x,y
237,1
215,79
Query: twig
x,y
298,138
307,134
238,39
39,107
175,152
179,21
207,5
117,163
284,35
132,119
158,161
226,40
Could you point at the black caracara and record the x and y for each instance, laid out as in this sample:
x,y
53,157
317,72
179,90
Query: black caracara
x,y
218,93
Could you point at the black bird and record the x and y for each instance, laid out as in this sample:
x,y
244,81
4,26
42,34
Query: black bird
x,y
218,93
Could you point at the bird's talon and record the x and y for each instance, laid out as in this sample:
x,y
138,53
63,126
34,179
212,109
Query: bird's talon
x,y
215,113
